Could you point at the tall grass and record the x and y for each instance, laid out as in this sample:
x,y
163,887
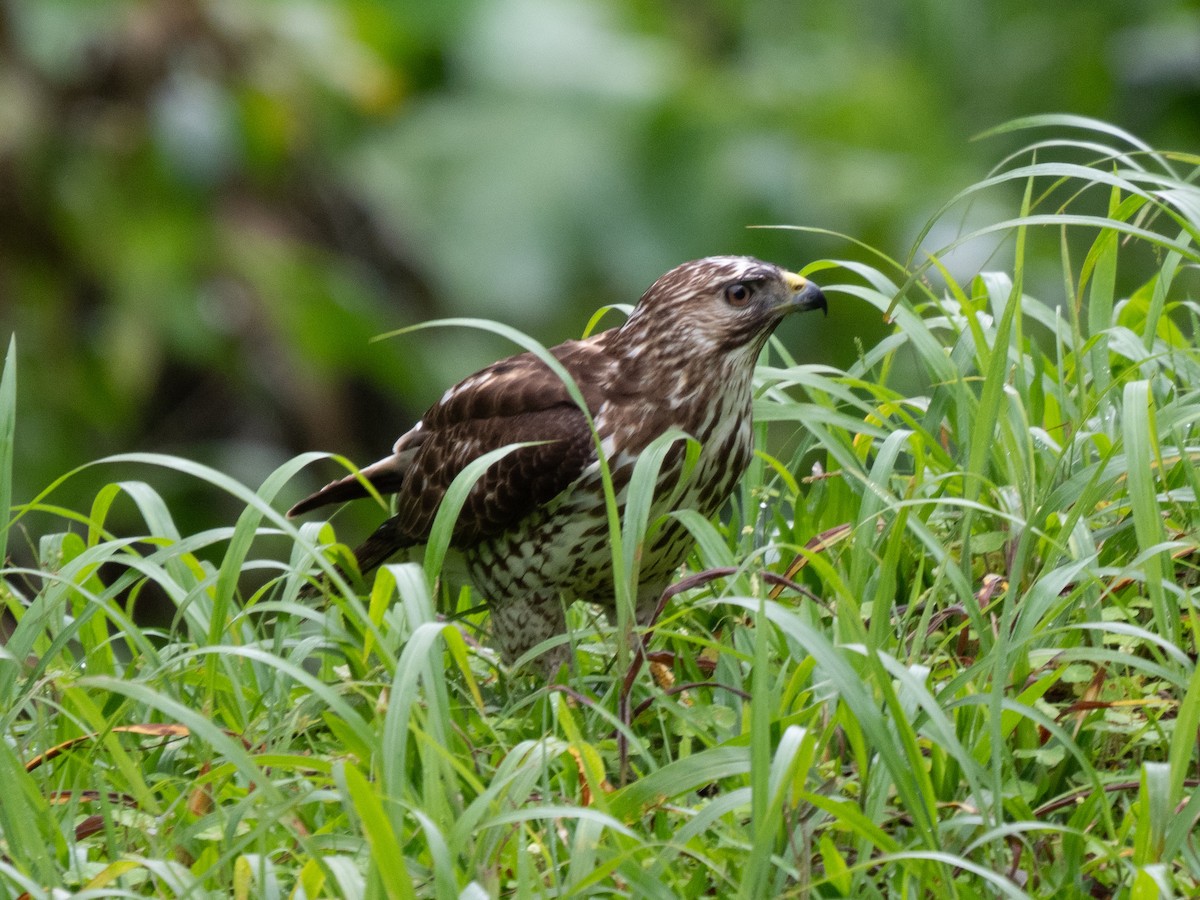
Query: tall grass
x,y
976,678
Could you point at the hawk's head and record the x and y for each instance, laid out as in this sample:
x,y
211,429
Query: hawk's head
x,y
719,304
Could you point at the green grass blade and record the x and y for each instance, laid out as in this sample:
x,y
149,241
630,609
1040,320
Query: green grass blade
x,y
386,856
8,429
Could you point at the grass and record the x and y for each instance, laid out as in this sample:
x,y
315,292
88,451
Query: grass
x,y
978,679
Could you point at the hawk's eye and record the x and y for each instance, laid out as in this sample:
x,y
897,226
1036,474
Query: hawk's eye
x,y
738,294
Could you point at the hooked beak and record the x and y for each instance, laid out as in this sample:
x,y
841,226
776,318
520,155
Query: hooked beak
x,y
804,295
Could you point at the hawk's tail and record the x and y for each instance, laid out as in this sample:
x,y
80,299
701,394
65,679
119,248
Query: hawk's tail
x,y
370,555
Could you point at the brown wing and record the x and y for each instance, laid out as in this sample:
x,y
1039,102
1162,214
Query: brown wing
x,y
516,400
510,489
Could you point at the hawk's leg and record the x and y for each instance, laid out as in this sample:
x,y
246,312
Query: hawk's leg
x,y
649,596
520,624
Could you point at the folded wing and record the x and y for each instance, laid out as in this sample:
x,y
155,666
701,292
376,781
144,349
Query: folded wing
x,y
516,400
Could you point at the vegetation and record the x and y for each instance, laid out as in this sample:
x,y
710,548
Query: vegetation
x,y
208,207
945,644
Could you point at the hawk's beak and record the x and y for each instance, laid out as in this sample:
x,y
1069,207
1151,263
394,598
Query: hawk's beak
x,y
804,295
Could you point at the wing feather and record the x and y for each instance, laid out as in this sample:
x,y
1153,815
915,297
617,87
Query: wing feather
x,y
515,400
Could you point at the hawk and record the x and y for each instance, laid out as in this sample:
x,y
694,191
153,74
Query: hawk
x,y
533,532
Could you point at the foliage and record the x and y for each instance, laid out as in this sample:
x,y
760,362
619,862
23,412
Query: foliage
x,y
978,677
208,207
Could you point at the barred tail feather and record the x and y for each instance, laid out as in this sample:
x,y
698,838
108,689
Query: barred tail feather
x,y
370,555
375,550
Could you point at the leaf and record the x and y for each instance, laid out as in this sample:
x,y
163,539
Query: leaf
x,y
8,427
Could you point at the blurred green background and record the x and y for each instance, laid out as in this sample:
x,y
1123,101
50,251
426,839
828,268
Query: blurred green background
x,y
209,207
